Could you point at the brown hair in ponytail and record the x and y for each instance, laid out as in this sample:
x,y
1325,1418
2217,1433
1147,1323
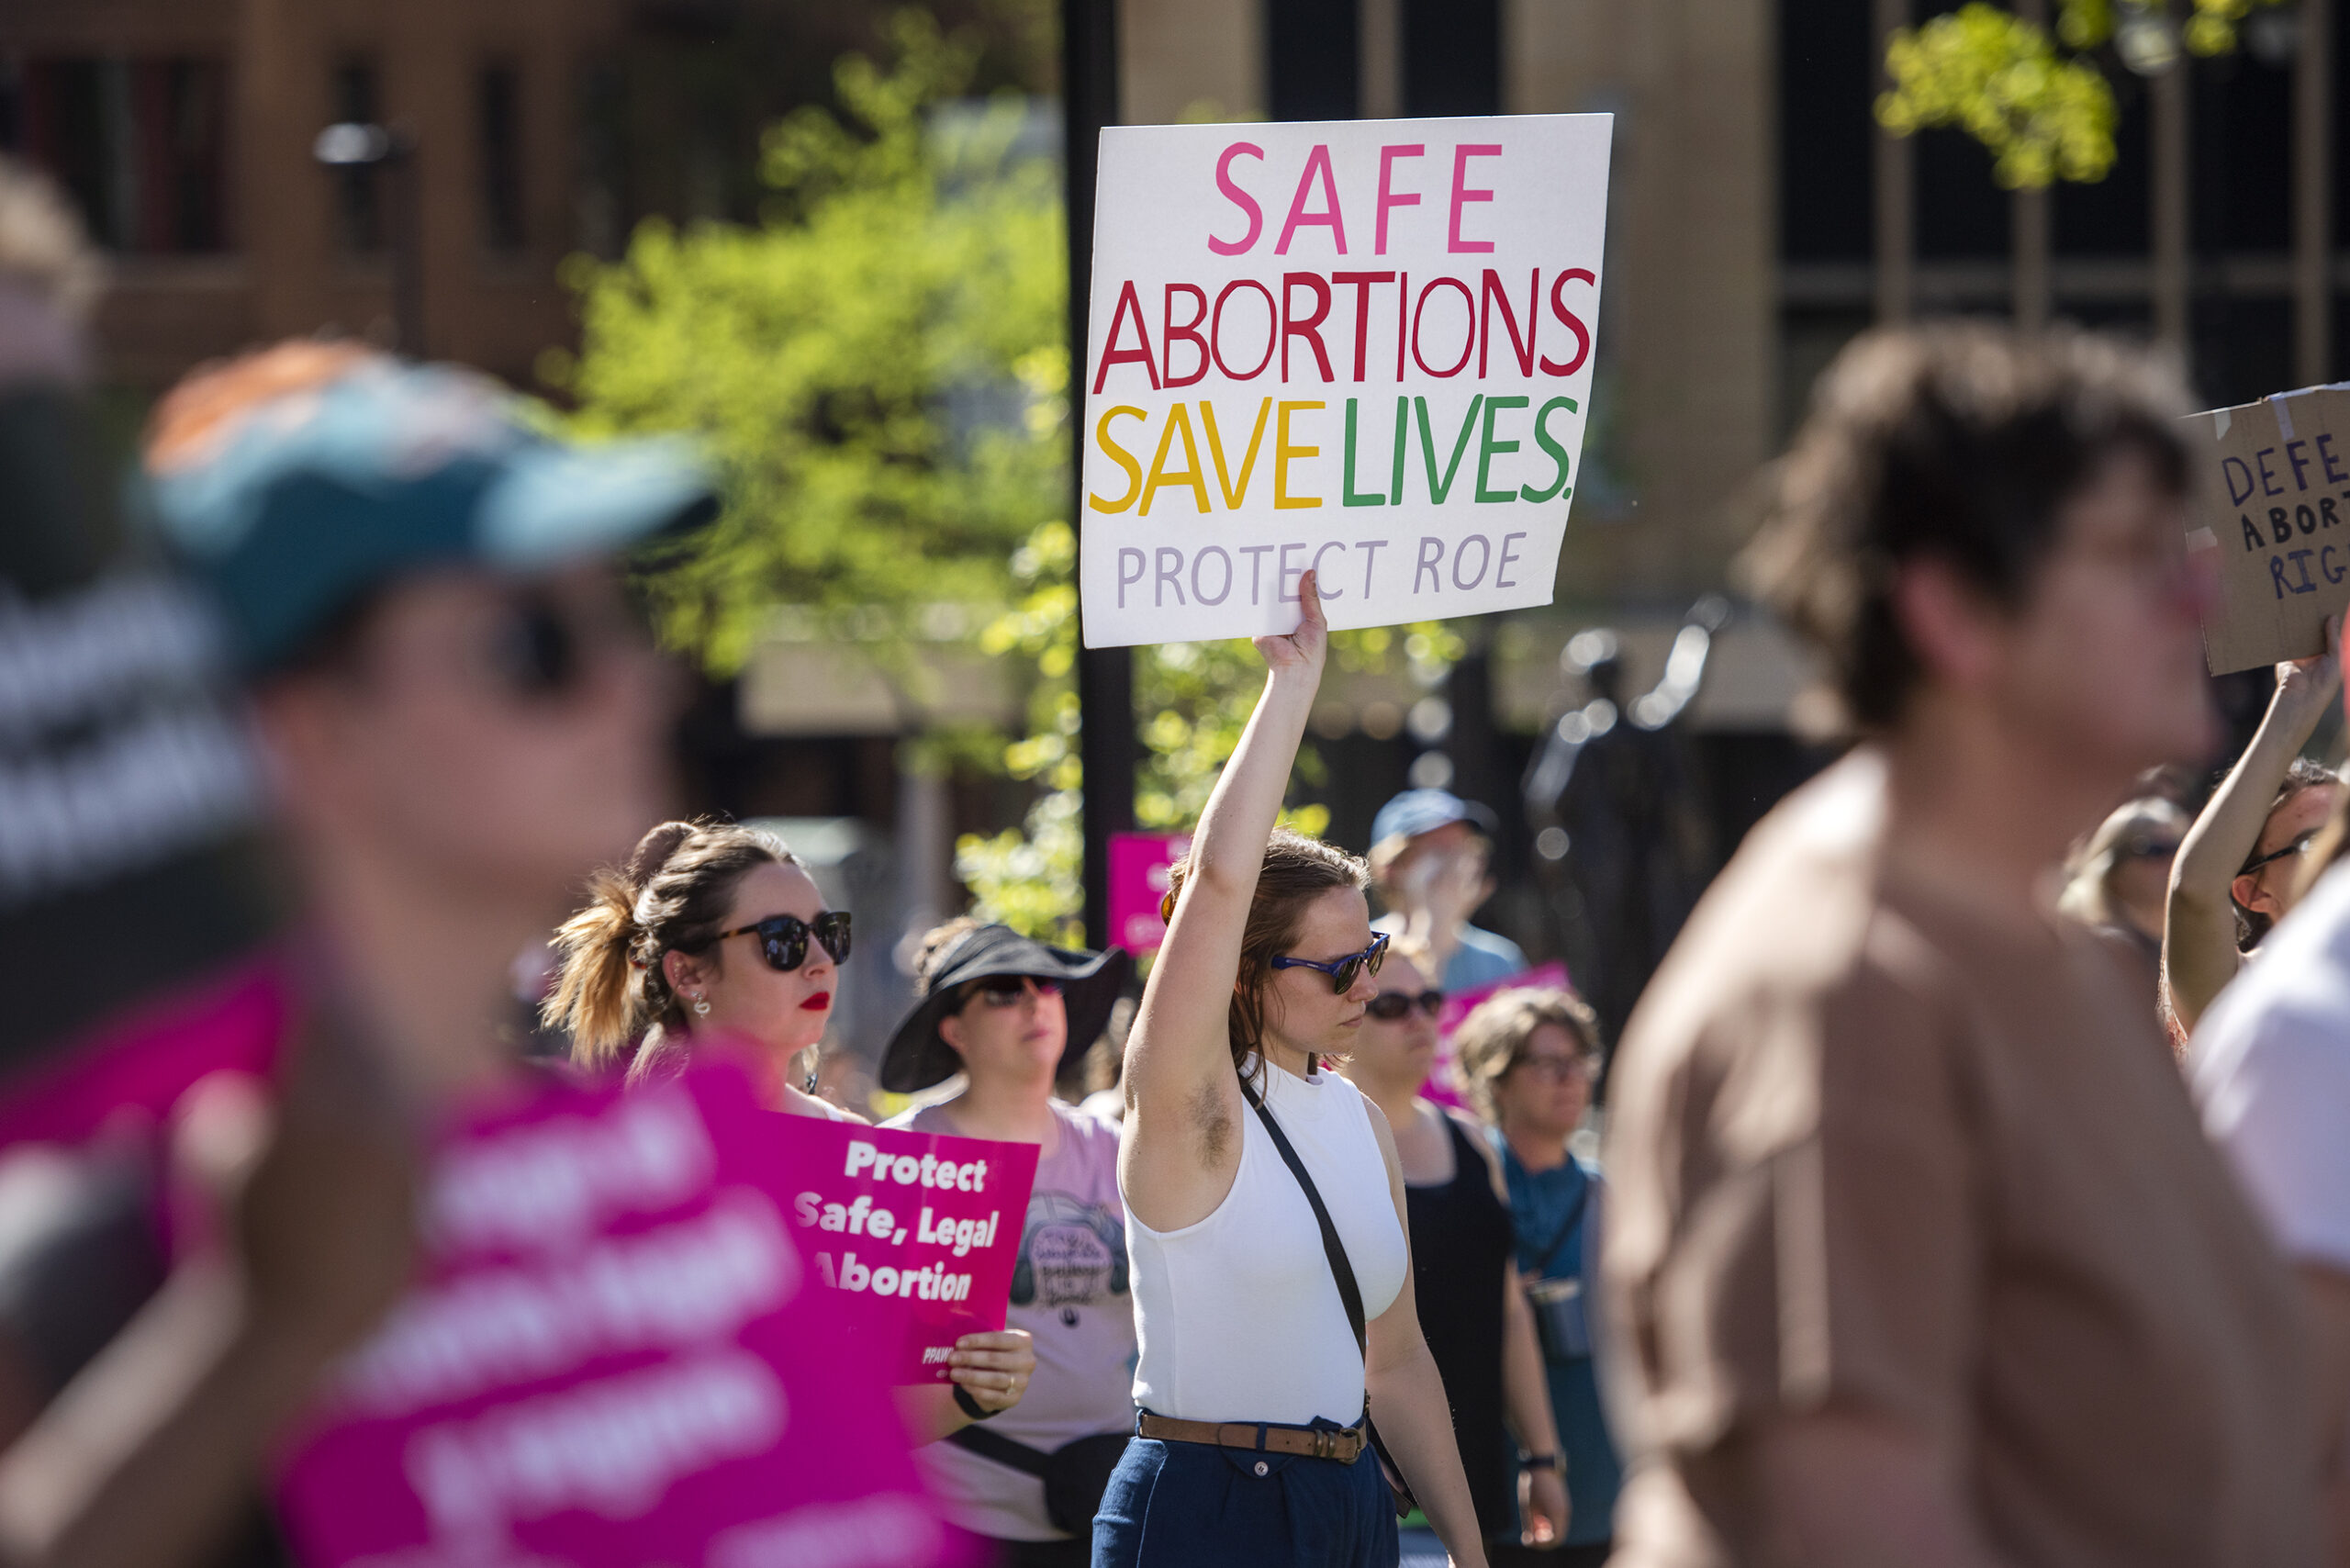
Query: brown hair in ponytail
x,y
1296,871
671,896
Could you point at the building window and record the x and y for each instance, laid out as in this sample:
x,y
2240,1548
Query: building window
x,y
139,144
599,197
357,97
499,130
1313,58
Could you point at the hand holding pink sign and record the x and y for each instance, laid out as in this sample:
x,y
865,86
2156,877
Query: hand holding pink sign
x,y
921,1232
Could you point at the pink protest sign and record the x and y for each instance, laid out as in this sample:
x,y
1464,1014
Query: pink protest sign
x,y
916,1232
1444,1078
1138,865
615,1356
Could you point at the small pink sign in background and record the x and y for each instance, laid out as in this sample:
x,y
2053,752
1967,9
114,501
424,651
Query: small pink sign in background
x,y
918,1233
616,1355
1138,864
1445,1084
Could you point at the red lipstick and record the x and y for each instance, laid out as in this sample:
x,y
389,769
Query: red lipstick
x,y
817,1003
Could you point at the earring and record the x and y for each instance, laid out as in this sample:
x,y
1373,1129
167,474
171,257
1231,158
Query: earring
x,y
701,1007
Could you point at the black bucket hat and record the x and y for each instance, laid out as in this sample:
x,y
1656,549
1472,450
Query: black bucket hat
x,y
1091,982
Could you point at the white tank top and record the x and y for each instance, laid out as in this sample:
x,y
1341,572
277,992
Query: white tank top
x,y
1237,1316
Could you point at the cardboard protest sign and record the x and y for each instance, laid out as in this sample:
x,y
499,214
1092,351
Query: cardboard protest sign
x,y
1361,347
2278,524
917,1232
615,1356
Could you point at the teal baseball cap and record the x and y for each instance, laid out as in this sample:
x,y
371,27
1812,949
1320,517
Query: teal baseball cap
x,y
308,501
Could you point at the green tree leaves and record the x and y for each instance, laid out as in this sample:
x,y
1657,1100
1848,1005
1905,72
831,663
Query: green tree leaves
x,y
1999,78
2045,112
878,368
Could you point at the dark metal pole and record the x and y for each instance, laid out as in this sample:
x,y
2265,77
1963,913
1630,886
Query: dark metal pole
x,y
1105,676
407,195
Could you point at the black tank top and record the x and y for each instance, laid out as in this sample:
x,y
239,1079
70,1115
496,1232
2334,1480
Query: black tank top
x,y
1460,1243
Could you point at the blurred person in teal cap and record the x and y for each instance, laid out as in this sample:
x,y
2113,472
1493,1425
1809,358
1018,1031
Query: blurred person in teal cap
x,y
458,707
136,1396
456,710
1430,855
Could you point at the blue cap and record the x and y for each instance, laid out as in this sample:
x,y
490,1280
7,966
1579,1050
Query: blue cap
x,y
316,497
1415,812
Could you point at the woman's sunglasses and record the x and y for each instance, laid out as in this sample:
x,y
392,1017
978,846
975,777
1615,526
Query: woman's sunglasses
x,y
1342,972
2144,845
1390,1005
2300,845
1006,991
783,938
542,649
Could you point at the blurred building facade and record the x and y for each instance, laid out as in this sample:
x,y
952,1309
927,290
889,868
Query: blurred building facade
x,y
1757,220
184,129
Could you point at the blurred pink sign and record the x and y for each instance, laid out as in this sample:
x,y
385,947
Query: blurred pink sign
x,y
1138,864
1443,1084
1459,1004
917,1232
614,1355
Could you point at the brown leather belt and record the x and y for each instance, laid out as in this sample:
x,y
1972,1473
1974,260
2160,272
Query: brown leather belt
x,y
1345,1446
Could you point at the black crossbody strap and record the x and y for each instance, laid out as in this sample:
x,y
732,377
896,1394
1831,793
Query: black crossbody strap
x,y
1000,1449
1349,1294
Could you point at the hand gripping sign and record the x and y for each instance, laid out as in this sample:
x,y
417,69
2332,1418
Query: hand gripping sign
x,y
1359,347
918,1233
616,1355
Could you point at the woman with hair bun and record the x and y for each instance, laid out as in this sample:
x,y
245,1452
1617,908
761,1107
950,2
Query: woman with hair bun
x,y
1265,1213
716,928
711,928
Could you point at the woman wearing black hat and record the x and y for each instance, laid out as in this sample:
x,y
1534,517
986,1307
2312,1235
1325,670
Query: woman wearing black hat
x,y
1004,1011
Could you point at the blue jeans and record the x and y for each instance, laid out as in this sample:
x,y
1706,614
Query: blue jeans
x,y
1189,1504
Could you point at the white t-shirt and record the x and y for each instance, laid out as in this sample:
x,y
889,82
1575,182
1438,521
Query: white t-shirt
x,y
2270,1069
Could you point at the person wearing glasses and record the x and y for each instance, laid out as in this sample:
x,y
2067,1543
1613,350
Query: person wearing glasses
x,y
2237,866
713,929
2118,883
1530,1057
1265,1209
1475,1318
1005,1011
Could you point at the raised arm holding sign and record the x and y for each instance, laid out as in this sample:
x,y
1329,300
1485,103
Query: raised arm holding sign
x,y
2276,523
1272,1295
1359,348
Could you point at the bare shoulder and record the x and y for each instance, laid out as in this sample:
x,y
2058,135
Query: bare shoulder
x,y
1384,1131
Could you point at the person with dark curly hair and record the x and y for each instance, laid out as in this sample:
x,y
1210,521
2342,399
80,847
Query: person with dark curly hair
x,y
1916,1252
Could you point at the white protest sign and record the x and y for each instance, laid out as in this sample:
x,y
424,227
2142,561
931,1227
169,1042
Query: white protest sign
x,y
1358,346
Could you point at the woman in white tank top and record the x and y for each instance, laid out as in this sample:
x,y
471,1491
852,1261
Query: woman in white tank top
x,y
1249,1446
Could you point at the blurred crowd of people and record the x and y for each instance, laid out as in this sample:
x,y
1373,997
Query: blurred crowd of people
x,y
1976,1165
